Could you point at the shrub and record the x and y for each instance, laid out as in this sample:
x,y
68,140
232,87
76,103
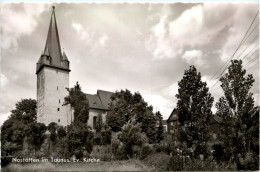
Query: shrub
x,y
61,132
5,161
121,153
175,163
218,152
145,151
78,154
104,153
209,165
162,148
115,144
248,162
131,136
89,146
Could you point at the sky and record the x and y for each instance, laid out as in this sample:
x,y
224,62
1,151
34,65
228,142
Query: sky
x,y
140,47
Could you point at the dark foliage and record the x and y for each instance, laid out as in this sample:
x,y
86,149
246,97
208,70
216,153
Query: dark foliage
x,y
218,152
194,110
240,124
124,106
159,134
78,101
35,134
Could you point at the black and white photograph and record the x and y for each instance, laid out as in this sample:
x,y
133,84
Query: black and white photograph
x,y
130,86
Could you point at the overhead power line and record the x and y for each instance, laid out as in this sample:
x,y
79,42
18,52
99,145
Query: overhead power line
x,y
229,60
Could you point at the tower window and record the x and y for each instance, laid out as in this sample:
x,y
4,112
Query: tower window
x,y
57,87
58,120
58,109
59,100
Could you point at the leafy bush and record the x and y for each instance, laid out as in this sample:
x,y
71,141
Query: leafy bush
x,y
175,163
145,151
115,144
121,153
249,162
131,136
61,132
104,153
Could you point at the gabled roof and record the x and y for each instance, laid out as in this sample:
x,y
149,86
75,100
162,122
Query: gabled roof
x,y
94,101
104,97
100,100
173,116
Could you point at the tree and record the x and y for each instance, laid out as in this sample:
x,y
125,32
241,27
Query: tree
x,y
78,136
148,125
194,107
78,101
35,134
125,106
25,111
52,127
239,114
12,130
61,132
159,134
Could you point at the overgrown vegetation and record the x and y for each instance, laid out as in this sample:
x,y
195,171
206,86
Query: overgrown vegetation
x,y
133,131
240,126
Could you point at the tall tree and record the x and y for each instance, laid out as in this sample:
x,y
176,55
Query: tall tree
x,y
194,107
237,109
78,101
159,134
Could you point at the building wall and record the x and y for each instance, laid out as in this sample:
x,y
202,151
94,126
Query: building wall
x,y
51,90
94,113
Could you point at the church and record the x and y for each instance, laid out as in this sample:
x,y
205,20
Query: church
x,y
52,70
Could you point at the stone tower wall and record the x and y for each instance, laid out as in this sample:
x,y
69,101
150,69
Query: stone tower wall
x,y
51,90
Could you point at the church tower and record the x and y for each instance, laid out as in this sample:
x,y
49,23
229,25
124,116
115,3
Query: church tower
x,y
52,71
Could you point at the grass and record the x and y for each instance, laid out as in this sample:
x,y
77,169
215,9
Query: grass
x,y
158,160
127,165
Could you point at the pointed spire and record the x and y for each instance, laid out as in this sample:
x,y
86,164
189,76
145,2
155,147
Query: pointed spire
x,y
52,46
52,55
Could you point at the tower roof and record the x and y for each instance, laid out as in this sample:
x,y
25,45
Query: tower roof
x,y
52,55
52,46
